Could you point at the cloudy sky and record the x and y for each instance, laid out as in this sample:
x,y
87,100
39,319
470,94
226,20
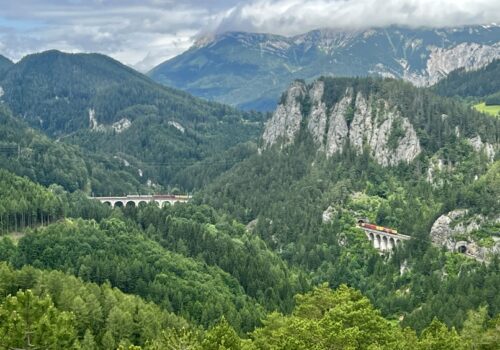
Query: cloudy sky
x,y
143,33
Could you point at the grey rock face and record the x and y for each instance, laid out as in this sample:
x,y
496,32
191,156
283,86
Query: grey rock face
x,y
317,118
441,231
121,125
338,130
371,126
480,146
177,125
328,214
442,61
449,229
285,122
436,166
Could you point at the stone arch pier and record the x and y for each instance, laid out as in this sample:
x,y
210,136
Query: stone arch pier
x,y
136,200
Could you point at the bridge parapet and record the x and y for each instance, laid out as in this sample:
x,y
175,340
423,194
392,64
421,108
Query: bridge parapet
x,y
160,199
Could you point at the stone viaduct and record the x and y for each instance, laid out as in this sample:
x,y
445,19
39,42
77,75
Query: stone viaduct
x,y
135,200
384,241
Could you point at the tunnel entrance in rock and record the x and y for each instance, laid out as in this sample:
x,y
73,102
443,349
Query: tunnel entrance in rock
x,y
462,249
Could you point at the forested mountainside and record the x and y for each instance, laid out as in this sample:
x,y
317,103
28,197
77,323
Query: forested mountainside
x,y
483,83
106,108
337,136
417,156
62,93
267,254
251,70
5,63
27,152
189,260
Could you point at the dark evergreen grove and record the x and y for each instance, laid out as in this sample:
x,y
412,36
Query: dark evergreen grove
x,y
250,262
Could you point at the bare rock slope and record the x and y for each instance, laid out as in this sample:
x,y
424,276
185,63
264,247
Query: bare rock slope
x,y
363,121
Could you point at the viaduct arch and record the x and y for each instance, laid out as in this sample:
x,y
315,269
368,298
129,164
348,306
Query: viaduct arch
x,y
135,200
384,241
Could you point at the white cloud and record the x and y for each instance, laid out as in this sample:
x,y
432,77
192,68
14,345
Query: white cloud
x,y
289,17
144,33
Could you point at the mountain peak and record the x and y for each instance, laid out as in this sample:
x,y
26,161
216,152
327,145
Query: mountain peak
x,y
251,70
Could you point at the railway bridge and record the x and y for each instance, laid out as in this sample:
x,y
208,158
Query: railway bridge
x,y
383,241
135,200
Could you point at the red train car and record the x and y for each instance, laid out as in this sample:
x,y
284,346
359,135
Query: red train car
x,y
378,228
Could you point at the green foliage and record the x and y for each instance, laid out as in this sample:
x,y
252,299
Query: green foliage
x,y
5,64
491,107
26,152
27,321
116,252
341,319
177,339
397,132
61,87
199,232
169,131
221,337
477,83
25,203
493,99
483,196
437,337
94,312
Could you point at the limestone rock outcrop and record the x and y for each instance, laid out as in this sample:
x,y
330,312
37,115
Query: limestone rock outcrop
x,y
363,121
442,61
453,229
373,126
480,146
285,122
339,131
118,127
317,118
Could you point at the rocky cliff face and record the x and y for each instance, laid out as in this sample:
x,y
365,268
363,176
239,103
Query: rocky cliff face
x,y
362,121
442,61
480,146
119,126
453,230
285,122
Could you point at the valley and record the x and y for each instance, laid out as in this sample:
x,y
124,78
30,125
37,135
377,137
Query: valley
x,y
329,190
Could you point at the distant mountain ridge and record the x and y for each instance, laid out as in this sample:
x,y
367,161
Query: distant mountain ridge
x,y
5,64
107,108
250,70
61,92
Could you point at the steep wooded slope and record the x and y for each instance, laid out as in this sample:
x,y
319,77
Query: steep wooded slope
x,y
105,107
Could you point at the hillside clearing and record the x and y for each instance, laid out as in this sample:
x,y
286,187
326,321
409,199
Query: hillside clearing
x,y
491,110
